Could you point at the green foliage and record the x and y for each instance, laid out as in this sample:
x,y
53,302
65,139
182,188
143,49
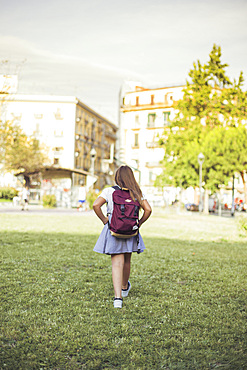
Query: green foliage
x,y
8,193
225,153
212,109
17,151
180,162
186,308
215,70
49,200
8,132
243,224
91,197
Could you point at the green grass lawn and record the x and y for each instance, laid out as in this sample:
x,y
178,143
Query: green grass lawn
x,y
186,308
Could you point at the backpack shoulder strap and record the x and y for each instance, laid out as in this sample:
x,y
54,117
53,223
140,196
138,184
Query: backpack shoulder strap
x,y
116,187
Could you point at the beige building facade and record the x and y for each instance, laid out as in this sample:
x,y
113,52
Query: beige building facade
x,y
77,139
144,116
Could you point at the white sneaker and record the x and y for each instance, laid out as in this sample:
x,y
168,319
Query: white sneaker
x,y
125,292
118,302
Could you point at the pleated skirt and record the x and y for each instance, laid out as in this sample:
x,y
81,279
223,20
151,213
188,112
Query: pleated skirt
x,y
108,244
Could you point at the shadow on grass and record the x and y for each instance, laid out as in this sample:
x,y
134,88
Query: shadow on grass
x,y
186,309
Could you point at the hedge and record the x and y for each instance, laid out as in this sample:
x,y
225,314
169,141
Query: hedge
x,y
8,193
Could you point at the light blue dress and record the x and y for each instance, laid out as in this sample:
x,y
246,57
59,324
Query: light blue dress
x,y
108,244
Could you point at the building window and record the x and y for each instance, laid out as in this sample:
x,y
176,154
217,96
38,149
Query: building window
x,y
137,122
58,133
151,119
38,115
58,114
168,99
166,118
136,140
152,99
37,130
137,100
56,161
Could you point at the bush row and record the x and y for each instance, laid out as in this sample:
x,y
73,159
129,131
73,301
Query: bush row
x,y
243,224
8,193
49,200
91,197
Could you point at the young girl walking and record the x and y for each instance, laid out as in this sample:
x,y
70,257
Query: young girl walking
x,y
120,249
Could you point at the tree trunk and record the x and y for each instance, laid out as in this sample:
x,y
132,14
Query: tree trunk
x,y
205,208
27,181
245,187
219,208
179,200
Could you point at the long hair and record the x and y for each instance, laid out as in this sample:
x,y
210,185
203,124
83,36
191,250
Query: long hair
x,y
124,178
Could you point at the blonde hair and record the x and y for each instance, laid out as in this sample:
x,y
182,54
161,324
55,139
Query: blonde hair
x,y
124,178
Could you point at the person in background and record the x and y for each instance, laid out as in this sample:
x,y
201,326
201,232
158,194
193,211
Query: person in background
x,y
82,199
25,198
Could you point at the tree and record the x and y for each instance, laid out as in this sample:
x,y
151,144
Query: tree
x,y
180,161
19,152
211,107
225,153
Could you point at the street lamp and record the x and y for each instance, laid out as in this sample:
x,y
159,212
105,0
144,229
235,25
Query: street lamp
x,y
200,161
92,155
233,204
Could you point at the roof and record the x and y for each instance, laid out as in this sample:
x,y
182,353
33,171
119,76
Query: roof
x,y
142,89
53,99
55,172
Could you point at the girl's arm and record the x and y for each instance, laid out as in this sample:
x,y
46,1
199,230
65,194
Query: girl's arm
x,y
97,209
147,212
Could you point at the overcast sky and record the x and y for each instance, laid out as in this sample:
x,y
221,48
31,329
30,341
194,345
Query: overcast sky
x,y
88,48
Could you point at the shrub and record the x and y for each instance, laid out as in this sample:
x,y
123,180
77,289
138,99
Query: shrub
x,y
49,200
8,193
243,224
91,196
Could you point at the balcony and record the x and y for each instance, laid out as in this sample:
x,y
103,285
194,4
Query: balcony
x,y
152,145
145,106
112,135
153,164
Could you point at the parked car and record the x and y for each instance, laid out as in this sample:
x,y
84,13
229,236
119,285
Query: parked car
x,y
192,207
241,206
212,204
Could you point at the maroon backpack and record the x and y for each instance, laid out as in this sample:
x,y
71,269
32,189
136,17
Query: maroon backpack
x,y
125,215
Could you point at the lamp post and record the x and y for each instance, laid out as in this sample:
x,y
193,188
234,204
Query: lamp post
x,y
200,161
233,204
92,155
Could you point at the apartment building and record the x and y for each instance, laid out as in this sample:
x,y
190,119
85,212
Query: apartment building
x,y
144,116
80,142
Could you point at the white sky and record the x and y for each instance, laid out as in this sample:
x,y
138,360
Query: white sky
x,y
89,48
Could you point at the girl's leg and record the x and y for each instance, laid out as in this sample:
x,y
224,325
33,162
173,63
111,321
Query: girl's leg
x,y
117,273
126,270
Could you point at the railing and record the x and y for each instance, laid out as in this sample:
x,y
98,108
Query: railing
x,y
152,145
